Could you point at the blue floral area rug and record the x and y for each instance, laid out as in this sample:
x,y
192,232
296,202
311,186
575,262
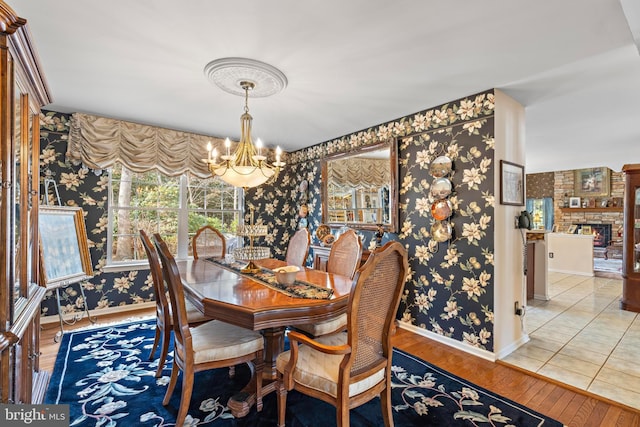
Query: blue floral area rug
x,y
105,377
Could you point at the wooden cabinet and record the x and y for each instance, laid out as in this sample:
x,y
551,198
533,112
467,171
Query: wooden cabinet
x,y
631,239
320,257
23,91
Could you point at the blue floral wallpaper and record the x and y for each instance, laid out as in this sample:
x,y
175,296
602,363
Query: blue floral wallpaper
x,y
87,189
450,289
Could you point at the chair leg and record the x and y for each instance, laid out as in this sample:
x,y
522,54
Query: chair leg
x,y
282,402
342,414
156,338
172,384
385,402
259,367
185,396
166,336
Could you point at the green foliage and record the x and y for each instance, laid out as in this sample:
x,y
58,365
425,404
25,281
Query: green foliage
x,y
151,201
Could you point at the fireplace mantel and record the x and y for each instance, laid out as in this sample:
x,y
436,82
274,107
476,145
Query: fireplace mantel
x,y
575,210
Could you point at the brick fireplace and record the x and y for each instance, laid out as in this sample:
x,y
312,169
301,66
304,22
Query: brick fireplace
x,y
601,238
601,234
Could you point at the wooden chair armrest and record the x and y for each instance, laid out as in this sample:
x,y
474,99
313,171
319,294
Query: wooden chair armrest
x,y
297,337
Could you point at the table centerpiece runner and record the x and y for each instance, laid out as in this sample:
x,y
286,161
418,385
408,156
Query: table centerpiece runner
x,y
299,288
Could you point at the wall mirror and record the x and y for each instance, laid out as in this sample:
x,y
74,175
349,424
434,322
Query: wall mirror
x,y
360,188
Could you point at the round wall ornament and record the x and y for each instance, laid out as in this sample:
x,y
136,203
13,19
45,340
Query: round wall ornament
x,y
441,166
441,188
441,231
441,209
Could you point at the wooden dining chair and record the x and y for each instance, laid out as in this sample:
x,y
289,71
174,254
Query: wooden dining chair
x,y
208,242
345,254
298,248
350,368
164,322
344,259
213,344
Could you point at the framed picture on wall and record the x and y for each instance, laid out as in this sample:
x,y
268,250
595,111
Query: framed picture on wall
x,y
592,182
511,183
574,202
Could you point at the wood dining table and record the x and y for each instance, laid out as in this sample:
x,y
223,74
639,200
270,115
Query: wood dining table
x,y
240,299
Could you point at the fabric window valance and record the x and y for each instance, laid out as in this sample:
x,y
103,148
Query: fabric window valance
x,y
100,142
359,173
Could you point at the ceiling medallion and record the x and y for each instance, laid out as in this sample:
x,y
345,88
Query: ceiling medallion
x,y
229,74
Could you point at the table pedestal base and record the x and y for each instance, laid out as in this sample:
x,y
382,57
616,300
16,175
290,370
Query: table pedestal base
x,y
240,403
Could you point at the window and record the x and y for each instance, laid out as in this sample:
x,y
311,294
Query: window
x,y
175,207
541,211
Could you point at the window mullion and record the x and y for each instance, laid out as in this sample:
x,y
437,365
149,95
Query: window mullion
x,y
110,220
183,220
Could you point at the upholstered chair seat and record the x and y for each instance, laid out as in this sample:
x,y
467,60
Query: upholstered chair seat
x,y
194,316
325,327
319,371
216,340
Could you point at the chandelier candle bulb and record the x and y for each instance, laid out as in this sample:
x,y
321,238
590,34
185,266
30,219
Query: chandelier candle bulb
x,y
227,145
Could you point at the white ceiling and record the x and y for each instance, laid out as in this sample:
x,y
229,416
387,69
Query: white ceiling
x,y
353,64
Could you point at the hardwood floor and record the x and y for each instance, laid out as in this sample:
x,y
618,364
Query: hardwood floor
x,y
572,407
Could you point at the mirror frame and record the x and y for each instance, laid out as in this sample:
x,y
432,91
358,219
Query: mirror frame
x,y
63,231
392,225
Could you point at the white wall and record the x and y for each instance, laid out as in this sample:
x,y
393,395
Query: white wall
x,y
572,253
509,280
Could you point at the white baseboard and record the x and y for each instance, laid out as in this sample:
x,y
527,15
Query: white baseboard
x,y
514,346
578,273
484,354
45,320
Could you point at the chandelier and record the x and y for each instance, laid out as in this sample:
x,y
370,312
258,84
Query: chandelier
x,y
247,167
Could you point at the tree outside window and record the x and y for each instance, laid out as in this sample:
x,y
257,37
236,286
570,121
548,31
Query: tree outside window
x,y
175,207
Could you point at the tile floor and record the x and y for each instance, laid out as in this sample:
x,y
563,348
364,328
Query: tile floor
x,y
582,338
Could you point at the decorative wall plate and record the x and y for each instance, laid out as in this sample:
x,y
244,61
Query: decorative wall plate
x,y
322,231
441,209
441,166
441,188
441,231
